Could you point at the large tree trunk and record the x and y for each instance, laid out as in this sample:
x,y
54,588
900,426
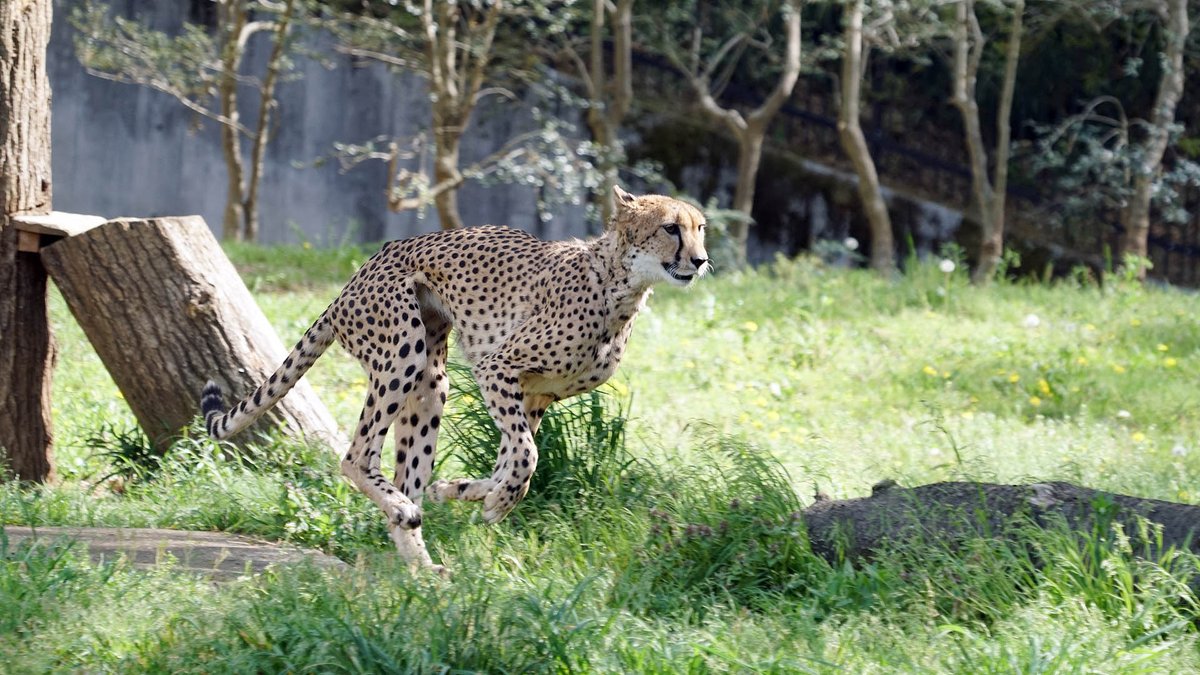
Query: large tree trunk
x,y
948,514
1170,89
166,311
850,132
26,345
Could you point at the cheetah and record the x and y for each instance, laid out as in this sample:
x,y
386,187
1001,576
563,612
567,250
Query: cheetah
x,y
537,322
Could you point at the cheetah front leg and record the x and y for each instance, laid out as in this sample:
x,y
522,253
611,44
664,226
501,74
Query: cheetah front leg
x,y
517,416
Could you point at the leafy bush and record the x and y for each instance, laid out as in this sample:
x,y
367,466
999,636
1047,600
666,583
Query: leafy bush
x,y
728,528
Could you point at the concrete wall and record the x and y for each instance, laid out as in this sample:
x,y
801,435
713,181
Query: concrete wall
x,y
124,150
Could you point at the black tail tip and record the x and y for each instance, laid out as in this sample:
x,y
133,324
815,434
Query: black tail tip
x,y
211,400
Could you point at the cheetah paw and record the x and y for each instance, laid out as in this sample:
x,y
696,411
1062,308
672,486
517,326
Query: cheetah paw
x,y
438,491
496,507
407,516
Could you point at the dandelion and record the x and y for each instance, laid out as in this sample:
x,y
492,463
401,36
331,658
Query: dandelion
x,y
1135,322
307,245
967,414
1044,387
1032,321
1138,437
1081,361
1162,347
930,371
1014,378
1170,362
1035,401
946,266
750,327
1118,368
1178,450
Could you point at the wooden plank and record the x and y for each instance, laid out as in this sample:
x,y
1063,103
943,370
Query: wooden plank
x,y
56,223
28,242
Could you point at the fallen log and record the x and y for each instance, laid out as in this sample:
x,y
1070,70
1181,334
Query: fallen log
x,y
953,512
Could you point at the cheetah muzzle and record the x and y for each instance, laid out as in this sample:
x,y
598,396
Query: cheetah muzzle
x,y
537,321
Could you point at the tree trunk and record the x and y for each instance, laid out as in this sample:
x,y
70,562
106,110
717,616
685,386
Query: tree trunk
x,y
883,243
231,19
26,345
609,102
166,311
262,130
445,168
968,50
992,249
1170,89
750,146
948,514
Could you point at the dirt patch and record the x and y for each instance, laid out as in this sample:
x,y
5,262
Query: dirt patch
x,y
215,555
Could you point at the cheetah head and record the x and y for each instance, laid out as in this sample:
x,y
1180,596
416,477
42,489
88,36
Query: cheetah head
x,y
664,238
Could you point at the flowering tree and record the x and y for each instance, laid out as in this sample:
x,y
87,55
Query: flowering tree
x,y
891,25
969,42
466,50
715,44
200,69
1106,162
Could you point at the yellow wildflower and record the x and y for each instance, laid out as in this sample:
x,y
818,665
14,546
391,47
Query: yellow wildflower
x,y
1118,368
1044,387
1014,378
1035,401
967,414
750,327
930,371
307,245
1082,361
1135,322
1170,362
1138,437
1162,347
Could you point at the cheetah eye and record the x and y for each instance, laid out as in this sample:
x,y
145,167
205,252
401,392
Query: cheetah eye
x,y
672,229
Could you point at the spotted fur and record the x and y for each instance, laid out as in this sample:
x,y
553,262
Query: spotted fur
x,y
538,321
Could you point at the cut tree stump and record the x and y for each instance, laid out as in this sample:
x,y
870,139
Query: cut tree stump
x,y
952,512
165,310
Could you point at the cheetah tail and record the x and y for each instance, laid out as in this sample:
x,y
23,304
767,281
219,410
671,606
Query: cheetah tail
x,y
222,424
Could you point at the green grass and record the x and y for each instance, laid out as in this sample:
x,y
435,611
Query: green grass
x,y
662,534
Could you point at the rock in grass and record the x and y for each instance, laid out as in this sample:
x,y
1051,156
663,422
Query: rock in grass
x,y
952,512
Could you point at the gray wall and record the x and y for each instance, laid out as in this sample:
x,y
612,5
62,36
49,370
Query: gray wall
x,y
124,150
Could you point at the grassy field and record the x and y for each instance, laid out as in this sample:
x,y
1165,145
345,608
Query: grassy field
x,y
660,536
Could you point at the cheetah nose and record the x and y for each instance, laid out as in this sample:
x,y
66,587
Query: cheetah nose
x,y
699,262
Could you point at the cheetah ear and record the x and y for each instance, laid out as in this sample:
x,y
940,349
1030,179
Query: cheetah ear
x,y
624,199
